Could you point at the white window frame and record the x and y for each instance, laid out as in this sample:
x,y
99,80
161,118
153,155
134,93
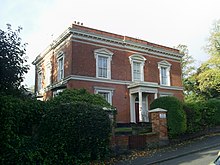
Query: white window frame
x,y
136,58
103,53
165,65
48,73
60,71
39,81
55,93
108,91
164,94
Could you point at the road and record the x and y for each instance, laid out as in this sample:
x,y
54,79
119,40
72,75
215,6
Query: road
x,y
200,158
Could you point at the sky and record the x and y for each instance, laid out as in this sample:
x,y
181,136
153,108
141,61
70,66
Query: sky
x,y
165,22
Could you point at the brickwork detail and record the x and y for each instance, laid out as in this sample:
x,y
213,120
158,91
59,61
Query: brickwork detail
x,y
159,122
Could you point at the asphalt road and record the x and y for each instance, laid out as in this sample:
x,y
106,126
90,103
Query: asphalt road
x,y
199,158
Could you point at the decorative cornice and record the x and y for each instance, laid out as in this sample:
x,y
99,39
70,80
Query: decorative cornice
x,y
119,42
79,34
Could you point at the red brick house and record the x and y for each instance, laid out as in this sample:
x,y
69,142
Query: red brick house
x,y
129,73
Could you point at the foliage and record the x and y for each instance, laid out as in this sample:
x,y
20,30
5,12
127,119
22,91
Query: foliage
x,y
187,62
188,68
12,60
208,78
175,115
19,119
213,44
74,133
205,82
202,114
193,117
215,104
78,95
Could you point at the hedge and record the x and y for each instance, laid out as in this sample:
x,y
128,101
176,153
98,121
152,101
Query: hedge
x,y
19,120
175,115
74,133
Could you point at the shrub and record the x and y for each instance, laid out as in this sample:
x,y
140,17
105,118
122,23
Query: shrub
x,y
193,117
202,114
74,133
210,112
176,118
19,119
78,95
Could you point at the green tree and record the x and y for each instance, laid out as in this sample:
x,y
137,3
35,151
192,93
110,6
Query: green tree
x,y
12,60
208,75
208,78
188,69
213,44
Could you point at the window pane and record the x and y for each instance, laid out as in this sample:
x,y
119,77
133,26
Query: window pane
x,y
39,81
105,95
137,71
164,76
48,75
102,66
60,69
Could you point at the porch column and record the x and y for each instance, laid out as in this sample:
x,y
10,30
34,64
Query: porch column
x,y
140,106
155,96
132,108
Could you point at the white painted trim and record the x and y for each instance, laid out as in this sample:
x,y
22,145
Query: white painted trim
x,y
137,58
105,90
59,78
117,82
171,87
157,110
103,52
144,53
121,42
167,66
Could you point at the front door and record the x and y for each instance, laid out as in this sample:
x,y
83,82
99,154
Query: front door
x,y
137,110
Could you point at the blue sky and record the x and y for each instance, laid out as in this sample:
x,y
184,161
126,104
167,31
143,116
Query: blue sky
x,y
169,22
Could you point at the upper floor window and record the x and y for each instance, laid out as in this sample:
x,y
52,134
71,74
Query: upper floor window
x,y
39,81
137,67
164,68
102,66
60,69
103,63
48,73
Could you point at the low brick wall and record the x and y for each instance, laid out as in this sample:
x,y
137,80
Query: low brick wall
x,y
125,142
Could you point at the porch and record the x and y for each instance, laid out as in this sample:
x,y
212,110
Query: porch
x,y
141,94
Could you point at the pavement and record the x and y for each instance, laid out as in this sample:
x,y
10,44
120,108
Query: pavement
x,y
175,151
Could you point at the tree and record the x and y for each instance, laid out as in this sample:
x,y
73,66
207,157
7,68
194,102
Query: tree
x,y
188,68
205,83
213,45
12,60
208,75
208,78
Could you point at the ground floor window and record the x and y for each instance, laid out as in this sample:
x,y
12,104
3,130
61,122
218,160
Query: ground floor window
x,y
106,93
55,93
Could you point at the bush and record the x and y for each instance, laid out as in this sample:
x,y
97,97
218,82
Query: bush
x,y
176,117
74,133
212,113
193,117
78,95
202,114
19,119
